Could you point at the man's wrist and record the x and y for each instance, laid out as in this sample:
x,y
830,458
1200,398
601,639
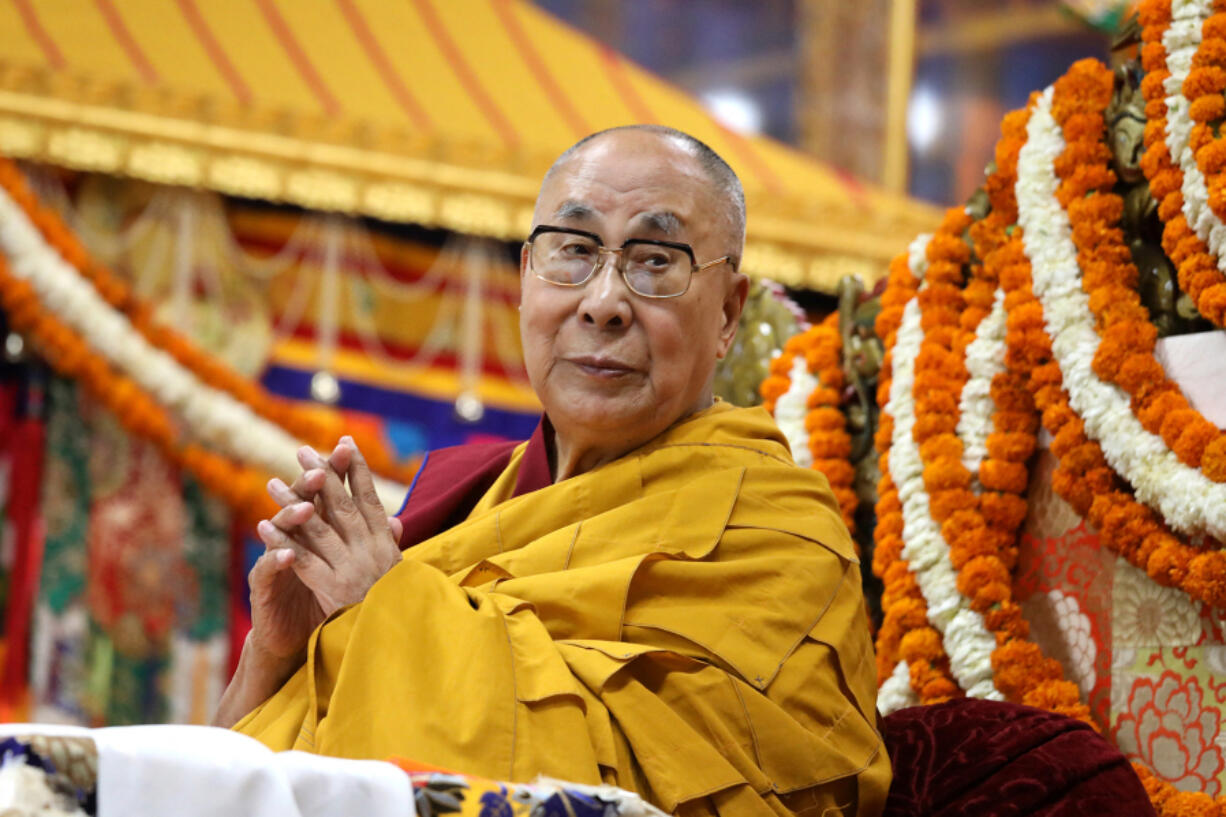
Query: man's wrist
x,y
267,662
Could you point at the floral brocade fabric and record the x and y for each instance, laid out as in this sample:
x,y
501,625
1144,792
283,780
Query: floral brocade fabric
x,y
1150,660
437,793
130,622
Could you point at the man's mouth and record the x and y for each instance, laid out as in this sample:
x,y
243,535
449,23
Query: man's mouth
x,y
606,367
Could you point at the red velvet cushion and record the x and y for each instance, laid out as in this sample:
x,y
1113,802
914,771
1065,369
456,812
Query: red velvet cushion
x,y
979,758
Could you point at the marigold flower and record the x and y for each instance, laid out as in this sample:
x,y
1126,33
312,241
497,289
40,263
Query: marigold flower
x,y
946,503
921,644
1195,439
1140,374
1068,436
999,475
979,572
1204,80
1213,461
830,446
824,419
823,396
941,420
1007,622
1011,446
941,446
1082,458
838,471
1017,666
1003,511
1212,303
1206,578
1169,564
886,551
1213,30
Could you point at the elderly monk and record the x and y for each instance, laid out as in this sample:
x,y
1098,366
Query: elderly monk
x,y
649,593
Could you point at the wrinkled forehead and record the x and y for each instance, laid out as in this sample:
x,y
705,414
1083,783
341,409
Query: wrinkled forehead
x,y
640,177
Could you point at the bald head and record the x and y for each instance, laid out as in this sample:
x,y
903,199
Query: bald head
x,y
725,186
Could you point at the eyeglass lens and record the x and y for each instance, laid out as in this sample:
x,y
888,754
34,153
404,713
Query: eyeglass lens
x,y
649,269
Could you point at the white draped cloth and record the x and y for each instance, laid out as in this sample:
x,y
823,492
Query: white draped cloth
x,y
202,770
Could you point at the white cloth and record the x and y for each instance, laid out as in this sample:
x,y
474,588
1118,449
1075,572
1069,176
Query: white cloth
x,y
1197,363
203,770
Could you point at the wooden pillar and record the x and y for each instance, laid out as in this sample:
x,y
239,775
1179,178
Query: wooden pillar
x,y
857,61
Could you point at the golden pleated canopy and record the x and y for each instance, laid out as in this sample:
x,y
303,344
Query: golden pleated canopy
x,y
437,112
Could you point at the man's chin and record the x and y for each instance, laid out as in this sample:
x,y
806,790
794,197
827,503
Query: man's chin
x,y
606,411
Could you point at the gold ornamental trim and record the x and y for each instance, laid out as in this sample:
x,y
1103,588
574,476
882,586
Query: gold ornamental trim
x,y
812,254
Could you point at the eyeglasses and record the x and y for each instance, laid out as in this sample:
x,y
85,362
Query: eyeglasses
x,y
652,269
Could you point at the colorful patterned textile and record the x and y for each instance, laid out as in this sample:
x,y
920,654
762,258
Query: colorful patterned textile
x,y
21,459
49,775
130,623
1150,661
437,793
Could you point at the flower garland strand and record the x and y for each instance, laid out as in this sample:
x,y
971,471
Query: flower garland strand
x,y
1125,355
1061,173
983,535
925,454
804,392
1083,477
1086,478
208,414
905,631
1169,50
962,483
240,486
320,426
829,442
790,408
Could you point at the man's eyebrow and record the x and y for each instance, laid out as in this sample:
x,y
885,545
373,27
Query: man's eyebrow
x,y
662,221
571,209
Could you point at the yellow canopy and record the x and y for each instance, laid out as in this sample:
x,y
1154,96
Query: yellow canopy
x,y
437,112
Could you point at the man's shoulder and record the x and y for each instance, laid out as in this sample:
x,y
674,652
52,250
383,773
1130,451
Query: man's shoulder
x,y
448,484
741,432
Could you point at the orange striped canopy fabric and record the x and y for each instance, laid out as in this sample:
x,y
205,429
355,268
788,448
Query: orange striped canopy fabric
x,y
438,112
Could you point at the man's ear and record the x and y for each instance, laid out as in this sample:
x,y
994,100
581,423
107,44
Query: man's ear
x,y
523,260
734,304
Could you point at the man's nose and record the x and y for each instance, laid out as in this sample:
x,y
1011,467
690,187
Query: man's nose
x,y
606,298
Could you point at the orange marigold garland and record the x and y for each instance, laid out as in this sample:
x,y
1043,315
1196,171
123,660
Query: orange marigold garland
x,y
980,527
1198,272
1084,478
319,426
1125,356
825,426
779,377
905,631
829,442
986,535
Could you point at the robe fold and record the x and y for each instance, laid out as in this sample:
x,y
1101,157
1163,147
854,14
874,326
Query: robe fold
x,y
685,622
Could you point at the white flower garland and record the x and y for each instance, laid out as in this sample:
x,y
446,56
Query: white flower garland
x,y
211,414
895,692
1189,501
967,641
985,358
917,255
791,409
1180,41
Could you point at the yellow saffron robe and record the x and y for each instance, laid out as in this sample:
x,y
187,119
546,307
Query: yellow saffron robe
x,y
685,622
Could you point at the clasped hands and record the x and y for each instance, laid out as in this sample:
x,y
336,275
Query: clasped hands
x,y
323,550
